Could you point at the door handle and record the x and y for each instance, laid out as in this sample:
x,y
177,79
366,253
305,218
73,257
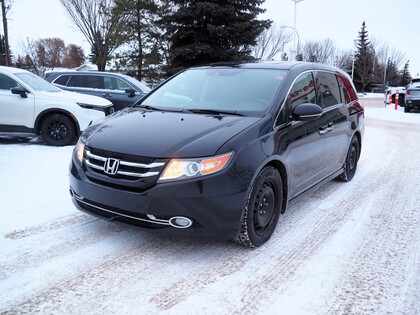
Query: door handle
x,y
325,129
106,95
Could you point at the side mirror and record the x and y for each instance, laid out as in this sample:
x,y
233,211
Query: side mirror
x,y
130,92
307,112
20,91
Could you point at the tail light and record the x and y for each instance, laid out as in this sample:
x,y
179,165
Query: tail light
x,y
408,92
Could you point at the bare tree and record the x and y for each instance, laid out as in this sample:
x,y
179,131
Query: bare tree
x,y
101,24
344,60
272,42
49,53
31,58
320,51
386,56
74,56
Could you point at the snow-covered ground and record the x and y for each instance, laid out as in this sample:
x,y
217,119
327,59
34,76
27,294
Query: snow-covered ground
x,y
347,248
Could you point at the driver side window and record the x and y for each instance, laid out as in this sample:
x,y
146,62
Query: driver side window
x,y
7,83
302,91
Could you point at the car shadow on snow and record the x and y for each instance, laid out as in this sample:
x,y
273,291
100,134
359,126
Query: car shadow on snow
x,y
21,140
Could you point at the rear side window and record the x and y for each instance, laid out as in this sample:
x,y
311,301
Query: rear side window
x,y
62,80
86,81
348,92
328,89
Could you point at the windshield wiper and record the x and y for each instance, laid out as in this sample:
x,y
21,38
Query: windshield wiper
x,y
148,107
214,112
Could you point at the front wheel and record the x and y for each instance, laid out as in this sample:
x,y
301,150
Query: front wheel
x,y
263,209
58,130
352,158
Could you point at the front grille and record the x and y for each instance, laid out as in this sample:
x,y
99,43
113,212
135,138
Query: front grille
x,y
120,170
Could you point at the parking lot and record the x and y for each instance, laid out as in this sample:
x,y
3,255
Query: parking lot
x,y
347,248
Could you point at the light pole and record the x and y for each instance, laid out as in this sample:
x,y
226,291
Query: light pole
x,y
294,25
6,36
296,34
354,52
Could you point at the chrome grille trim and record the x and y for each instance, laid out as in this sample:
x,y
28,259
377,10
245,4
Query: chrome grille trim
x,y
90,156
151,219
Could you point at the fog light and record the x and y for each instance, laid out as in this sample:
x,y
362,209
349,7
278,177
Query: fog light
x,y
180,222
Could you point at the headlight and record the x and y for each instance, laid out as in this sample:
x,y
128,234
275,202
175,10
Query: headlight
x,y
96,107
79,150
178,169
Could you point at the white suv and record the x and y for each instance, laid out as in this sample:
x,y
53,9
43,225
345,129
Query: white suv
x,y
30,105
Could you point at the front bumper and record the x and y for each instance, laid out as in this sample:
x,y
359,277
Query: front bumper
x,y
213,215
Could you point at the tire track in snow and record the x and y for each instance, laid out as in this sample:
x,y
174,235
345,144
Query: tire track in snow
x,y
288,254
292,251
391,267
151,263
65,239
49,226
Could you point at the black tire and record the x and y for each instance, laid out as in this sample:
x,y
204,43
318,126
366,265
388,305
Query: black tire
x,y
401,100
58,130
350,166
406,109
263,208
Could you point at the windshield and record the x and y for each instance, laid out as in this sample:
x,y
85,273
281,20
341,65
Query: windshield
x,y
236,90
36,82
138,83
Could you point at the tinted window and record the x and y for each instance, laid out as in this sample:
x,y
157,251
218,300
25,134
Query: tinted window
x,y
303,90
329,92
86,81
348,92
7,83
62,80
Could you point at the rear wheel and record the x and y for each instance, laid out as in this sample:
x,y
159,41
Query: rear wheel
x,y
263,209
58,130
406,109
350,166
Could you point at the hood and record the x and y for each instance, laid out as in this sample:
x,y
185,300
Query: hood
x,y
76,97
165,134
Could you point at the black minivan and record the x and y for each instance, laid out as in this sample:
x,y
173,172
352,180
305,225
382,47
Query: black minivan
x,y
218,151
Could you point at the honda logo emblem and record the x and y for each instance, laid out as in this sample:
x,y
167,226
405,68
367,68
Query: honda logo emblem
x,y
111,166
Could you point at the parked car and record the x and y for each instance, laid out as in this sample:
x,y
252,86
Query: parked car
x,y
412,95
122,90
375,88
227,148
31,106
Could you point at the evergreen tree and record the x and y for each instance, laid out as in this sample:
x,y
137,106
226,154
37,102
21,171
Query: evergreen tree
x,y
141,54
203,32
364,61
393,75
405,75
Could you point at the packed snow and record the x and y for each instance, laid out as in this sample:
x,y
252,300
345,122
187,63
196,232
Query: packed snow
x,y
346,248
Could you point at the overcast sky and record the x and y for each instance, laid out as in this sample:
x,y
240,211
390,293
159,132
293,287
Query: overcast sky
x,y
395,23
